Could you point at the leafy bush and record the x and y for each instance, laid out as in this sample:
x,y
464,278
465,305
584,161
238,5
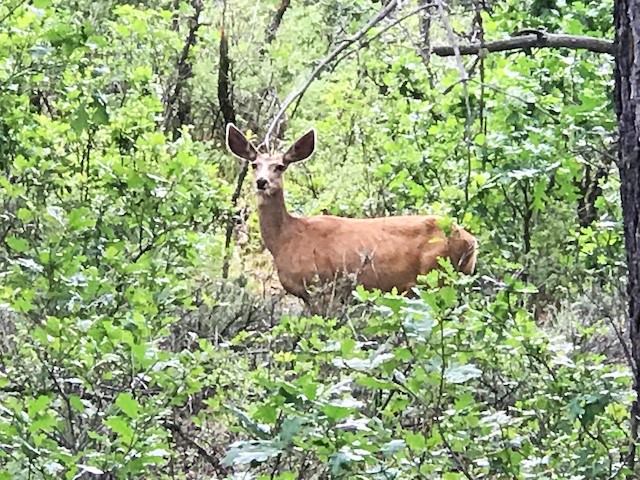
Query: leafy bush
x,y
124,354
447,384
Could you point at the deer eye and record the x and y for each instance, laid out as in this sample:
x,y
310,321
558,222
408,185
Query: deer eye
x,y
281,168
254,165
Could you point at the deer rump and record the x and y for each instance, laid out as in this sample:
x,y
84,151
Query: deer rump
x,y
378,253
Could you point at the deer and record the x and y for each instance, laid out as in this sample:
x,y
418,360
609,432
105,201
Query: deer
x,y
383,253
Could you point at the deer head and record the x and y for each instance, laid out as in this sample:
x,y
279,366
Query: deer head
x,y
268,168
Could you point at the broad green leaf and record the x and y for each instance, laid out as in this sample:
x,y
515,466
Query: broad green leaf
x,y
245,452
80,120
38,405
128,405
120,426
17,244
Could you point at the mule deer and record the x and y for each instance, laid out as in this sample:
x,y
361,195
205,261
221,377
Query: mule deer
x,y
380,253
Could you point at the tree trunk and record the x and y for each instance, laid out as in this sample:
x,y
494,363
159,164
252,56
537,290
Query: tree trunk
x,y
627,97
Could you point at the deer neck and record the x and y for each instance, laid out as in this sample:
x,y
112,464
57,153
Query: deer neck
x,y
274,218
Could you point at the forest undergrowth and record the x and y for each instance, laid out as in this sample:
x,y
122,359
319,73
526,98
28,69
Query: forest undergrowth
x,y
143,333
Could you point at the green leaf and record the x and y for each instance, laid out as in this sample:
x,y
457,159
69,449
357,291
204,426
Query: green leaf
x,y
17,244
363,364
290,428
372,382
525,288
244,452
76,403
340,409
128,405
46,423
448,295
80,119
24,214
452,476
445,224
119,426
37,405
258,430
392,447
418,320
80,218
266,413
100,114
415,441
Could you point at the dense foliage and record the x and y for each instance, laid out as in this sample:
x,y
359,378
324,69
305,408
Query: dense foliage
x,y
125,353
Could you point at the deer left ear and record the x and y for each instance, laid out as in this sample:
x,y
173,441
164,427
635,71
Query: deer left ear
x,y
302,149
238,145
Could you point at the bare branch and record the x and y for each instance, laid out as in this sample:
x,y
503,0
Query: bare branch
x,y
229,115
12,10
186,437
452,38
276,21
538,39
224,84
184,70
389,7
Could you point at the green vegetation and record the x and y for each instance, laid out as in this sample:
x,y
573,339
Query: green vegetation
x,y
128,352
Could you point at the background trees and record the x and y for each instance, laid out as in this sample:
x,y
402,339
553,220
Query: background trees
x,y
126,355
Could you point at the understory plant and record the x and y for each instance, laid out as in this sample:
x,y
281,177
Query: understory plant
x,y
455,383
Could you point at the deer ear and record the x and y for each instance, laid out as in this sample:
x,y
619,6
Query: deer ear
x,y
238,145
302,149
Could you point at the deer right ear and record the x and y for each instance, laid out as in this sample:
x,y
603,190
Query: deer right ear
x,y
302,149
238,145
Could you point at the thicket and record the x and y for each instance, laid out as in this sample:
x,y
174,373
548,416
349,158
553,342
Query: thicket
x,y
143,332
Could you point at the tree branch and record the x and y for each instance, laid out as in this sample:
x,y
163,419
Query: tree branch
x,y
276,21
538,39
12,10
217,466
229,116
224,84
388,8
184,70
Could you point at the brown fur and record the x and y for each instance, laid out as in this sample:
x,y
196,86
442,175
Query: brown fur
x,y
380,253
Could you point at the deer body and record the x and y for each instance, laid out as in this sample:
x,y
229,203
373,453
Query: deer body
x,y
380,253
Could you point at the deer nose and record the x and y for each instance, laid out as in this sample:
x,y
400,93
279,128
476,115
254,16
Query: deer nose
x,y
261,183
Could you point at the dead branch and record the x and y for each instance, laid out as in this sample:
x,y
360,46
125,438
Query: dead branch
x,y
537,39
229,116
187,438
368,41
276,21
224,84
455,48
299,92
183,66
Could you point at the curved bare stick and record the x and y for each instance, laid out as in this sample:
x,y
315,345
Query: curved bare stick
x,y
389,7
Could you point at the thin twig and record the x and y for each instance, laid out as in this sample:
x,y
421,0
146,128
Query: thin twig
x,y
218,467
369,41
12,10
